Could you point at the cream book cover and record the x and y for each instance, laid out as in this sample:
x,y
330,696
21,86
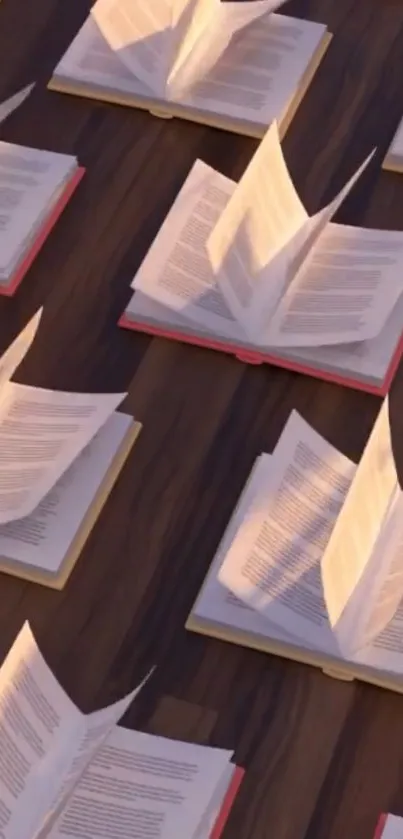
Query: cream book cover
x,y
60,455
235,66
310,565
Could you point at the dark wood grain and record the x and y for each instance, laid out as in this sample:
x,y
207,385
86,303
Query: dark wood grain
x,y
322,757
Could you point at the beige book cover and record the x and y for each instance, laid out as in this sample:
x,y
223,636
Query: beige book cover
x,y
243,70
309,567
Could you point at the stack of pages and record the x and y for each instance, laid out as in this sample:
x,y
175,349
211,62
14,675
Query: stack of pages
x,y
35,186
68,774
60,455
232,65
394,158
242,268
310,567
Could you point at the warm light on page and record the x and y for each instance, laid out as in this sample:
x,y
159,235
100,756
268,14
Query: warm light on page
x,y
12,357
14,102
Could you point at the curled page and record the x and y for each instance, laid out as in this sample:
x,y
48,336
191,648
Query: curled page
x,y
257,227
40,728
264,239
273,563
41,434
98,727
206,40
352,566
139,32
17,351
45,740
14,102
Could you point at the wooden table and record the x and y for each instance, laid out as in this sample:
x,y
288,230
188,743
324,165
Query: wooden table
x,y
323,757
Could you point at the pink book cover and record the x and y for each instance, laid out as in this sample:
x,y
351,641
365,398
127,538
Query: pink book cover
x,y
260,358
24,266
228,801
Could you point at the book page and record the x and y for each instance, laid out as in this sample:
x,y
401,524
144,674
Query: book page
x,y
141,785
43,539
41,434
29,181
345,291
385,651
382,591
14,102
139,33
192,22
261,74
259,223
16,352
98,727
264,238
89,60
353,542
176,271
218,606
273,563
208,37
39,732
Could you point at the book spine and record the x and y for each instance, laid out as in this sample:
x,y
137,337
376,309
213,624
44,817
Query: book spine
x,y
226,807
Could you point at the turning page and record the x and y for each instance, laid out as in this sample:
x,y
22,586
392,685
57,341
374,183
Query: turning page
x,y
142,785
176,271
14,102
364,546
41,434
263,240
140,33
261,219
44,540
273,564
214,23
41,734
17,351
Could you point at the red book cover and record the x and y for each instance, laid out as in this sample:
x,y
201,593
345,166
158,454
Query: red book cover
x,y
260,358
227,803
24,266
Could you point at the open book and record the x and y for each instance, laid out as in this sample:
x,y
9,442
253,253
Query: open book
x,y
242,268
232,65
394,158
68,774
310,567
35,186
60,455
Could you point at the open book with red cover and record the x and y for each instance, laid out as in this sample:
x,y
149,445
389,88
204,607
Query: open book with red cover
x,y
35,186
76,774
243,268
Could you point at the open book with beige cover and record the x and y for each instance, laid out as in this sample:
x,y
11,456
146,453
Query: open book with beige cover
x,y
69,774
232,65
35,187
243,268
394,158
60,455
310,567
